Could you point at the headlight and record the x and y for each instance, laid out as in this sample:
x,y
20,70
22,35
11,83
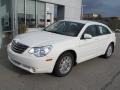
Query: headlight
x,y
41,51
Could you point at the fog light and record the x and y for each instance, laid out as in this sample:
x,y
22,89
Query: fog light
x,y
33,69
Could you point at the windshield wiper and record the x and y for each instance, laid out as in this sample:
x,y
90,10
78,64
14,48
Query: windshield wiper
x,y
52,31
56,32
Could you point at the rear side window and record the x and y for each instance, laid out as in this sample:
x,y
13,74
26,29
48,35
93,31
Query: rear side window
x,y
92,30
103,30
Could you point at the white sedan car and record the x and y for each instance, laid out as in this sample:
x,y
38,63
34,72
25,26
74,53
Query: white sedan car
x,y
57,48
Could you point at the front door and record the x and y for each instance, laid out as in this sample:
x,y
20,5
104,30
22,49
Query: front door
x,y
89,48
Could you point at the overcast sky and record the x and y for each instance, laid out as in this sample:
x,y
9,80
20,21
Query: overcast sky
x,y
104,7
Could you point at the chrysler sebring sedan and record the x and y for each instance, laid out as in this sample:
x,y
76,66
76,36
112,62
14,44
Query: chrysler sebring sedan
x,y
60,46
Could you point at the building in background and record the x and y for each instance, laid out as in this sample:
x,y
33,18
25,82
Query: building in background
x,y
91,15
18,15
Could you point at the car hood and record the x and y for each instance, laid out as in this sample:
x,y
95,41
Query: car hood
x,y
41,38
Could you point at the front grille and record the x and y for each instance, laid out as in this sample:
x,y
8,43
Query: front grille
x,y
18,47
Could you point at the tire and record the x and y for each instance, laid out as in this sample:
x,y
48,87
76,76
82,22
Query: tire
x,y
64,65
109,51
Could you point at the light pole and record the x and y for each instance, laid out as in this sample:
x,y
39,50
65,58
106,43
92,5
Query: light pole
x,y
82,9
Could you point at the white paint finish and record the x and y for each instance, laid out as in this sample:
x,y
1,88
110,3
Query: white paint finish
x,y
84,48
41,36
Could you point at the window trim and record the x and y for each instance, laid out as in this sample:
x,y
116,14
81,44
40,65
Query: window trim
x,y
97,26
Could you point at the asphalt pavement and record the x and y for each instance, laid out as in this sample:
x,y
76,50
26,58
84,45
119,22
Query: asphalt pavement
x,y
95,74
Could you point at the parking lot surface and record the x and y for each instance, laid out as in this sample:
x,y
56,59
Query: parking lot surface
x,y
95,74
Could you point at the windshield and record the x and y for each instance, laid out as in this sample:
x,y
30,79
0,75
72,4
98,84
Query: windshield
x,y
65,28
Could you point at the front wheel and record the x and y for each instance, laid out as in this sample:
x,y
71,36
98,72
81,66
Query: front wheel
x,y
109,51
64,64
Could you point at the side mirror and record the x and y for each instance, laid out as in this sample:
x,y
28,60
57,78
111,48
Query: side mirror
x,y
87,36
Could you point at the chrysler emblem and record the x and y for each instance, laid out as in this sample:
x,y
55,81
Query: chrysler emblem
x,y
16,41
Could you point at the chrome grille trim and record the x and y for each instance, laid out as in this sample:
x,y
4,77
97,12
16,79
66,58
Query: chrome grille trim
x,y
18,47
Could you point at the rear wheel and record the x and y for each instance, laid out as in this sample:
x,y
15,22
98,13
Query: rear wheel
x,y
109,51
64,64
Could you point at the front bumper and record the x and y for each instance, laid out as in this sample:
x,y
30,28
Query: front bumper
x,y
31,63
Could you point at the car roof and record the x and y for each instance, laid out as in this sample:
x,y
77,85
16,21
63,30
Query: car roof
x,y
85,22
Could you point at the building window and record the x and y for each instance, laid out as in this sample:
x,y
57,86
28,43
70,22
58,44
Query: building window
x,y
5,22
40,14
20,16
5,15
34,13
31,13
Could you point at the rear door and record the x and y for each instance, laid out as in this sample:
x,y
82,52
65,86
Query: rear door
x,y
103,38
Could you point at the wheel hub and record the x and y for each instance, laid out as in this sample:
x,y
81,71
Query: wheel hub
x,y
65,65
